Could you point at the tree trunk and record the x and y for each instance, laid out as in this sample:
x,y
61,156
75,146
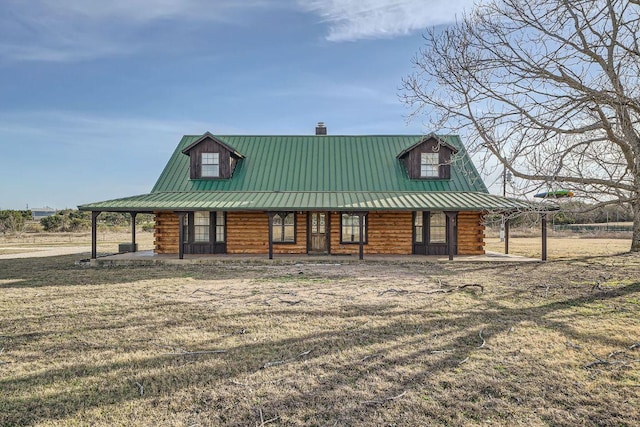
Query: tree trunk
x,y
635,239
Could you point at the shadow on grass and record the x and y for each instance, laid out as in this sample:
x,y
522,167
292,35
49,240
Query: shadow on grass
x,y
64,271
343,394
514,265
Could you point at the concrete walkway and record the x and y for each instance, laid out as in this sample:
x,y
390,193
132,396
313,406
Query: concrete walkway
x,y
148,257
41,251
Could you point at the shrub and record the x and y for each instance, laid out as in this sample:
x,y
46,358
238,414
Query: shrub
x,y
13,221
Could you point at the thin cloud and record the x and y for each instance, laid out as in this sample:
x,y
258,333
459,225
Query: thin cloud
x,y
351,20
64,52
76,30
146,10
81,129
321,88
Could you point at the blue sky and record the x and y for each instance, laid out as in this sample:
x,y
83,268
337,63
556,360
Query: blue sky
x,y
95,95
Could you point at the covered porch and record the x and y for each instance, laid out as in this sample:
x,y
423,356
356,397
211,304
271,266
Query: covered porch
x,y
282,223
308,249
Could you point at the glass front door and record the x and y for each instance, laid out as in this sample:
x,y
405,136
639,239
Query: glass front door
x,y
319,232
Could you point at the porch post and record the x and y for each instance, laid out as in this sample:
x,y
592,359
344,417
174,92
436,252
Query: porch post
x,y
271,214
181,234
506,236
450,236
544,237
361,234
94,234
133,231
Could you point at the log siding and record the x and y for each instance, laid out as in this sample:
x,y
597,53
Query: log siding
x,y
166,233
248,233
389,233
470,233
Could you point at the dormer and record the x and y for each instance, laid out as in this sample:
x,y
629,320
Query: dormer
x,y
210,158
430,158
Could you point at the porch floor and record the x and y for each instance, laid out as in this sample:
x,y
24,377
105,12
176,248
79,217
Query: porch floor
x,y
149,257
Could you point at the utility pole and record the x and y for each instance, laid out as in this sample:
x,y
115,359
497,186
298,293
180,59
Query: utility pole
x,y
506,177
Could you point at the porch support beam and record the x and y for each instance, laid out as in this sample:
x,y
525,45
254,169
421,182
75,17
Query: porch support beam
x,y
450,235
133,231
181,234
327,224
271,215
544,236
506,236
94,234
361,234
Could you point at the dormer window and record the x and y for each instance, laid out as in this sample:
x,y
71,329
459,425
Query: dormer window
x,y
429,165
429,158
210,165
211,158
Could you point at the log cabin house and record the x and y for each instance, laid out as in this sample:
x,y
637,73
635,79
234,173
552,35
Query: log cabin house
x,y
316,194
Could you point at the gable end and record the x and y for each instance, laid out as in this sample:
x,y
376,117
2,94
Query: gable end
x,y
227,158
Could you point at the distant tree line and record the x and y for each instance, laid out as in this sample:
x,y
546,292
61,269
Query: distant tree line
x,y
571,212
69,220
73,220
575,212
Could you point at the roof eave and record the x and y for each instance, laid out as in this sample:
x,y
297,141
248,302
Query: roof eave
x,y
429,136
350,201
218,140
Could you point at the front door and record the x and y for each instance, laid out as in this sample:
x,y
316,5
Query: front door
x,y
430,231
318,232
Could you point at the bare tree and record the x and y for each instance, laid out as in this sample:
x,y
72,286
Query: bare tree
x,y
549,88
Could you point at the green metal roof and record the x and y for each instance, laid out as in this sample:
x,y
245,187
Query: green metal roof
x,y
329,172
309,200
319,163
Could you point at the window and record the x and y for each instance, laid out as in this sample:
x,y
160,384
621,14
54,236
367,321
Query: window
x,y
220,227
210,165
350,228
284,227
201,226
204,227
418,234
429,165
438,228
318,223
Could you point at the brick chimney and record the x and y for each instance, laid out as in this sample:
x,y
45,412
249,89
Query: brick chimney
x,y
321,129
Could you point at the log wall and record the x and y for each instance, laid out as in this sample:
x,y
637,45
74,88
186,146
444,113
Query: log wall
x,y
389,233
470,233
165,233
248,233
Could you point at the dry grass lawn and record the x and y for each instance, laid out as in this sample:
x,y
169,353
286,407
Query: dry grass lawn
x,y
356,344
561,247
